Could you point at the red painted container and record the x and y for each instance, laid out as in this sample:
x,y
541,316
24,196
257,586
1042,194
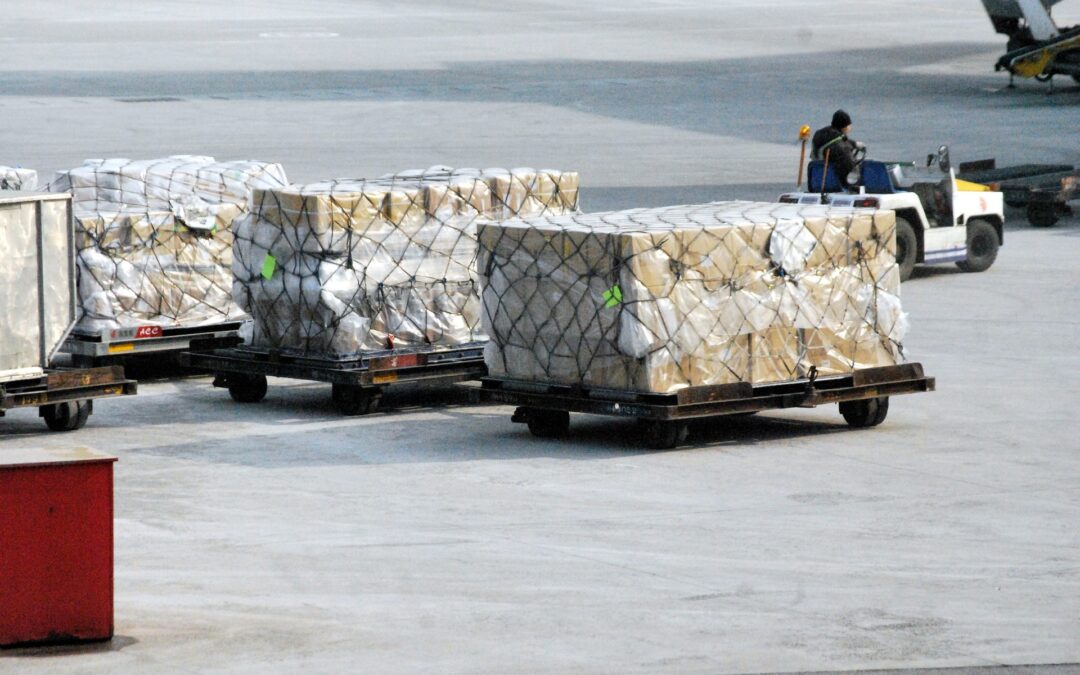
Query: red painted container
x,y
56,546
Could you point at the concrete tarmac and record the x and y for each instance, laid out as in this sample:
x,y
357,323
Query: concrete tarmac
x,y
436,536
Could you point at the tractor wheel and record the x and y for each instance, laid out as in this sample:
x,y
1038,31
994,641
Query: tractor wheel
x,y
67,416
1042,215
665,434
907,248
868,412
548,423
982,246
246,388
353,400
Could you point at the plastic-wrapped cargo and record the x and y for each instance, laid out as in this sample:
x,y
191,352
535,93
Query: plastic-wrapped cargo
x,y
37,281
17,178
655,300
154,238
337,268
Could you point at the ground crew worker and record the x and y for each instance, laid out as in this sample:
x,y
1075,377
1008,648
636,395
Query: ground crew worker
x,y
834,140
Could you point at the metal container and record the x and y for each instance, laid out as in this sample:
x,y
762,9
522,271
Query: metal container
x,y
37,280
56,563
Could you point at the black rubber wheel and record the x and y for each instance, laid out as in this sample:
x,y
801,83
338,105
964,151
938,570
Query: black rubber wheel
x,y
1015,202
67,416
869,412
982,246
548,423
247,388
1042,215
353,400
907,248
665,434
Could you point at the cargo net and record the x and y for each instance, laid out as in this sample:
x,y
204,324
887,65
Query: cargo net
x,y
338,268
17,178
655,300
154,238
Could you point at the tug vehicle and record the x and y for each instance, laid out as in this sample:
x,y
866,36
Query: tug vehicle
x,y
939,218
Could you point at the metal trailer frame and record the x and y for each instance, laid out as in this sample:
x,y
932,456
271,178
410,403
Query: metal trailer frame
x,y
863,397
92,349
1044,190
357,383
65,397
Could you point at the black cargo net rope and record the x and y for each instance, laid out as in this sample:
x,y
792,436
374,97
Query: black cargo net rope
x,y
657,299
154,238
338,268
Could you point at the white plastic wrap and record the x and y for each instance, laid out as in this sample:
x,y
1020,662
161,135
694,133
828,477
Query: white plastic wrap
x,y
154,237
336,268
660,299
17,178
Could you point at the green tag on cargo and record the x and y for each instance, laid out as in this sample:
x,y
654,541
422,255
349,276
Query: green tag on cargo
x,y
612,296
269,265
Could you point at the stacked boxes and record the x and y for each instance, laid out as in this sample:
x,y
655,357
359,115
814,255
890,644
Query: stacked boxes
x,y
659,299
337,268
154,238
17,178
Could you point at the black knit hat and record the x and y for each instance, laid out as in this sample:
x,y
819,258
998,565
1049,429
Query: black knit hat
x,y
840,119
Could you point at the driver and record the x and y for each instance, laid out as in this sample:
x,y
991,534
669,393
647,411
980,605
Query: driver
x,y
841,150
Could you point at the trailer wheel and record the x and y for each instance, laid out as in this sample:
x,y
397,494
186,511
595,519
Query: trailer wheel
x,y
982,246
868,412
907,248
354,400
246,388
67,416
1042,215
548,423
665,434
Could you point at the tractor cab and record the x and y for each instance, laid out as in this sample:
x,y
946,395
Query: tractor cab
x,y
939,217
934,185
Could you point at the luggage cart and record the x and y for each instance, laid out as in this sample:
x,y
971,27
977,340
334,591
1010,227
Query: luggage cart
x,y
863,397
93,349
356,384
1044,190
65,397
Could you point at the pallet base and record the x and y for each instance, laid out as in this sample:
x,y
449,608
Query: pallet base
x,y
89,350
863,397
65,397
357,383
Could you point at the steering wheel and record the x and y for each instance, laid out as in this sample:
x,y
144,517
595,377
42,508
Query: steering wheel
x,y
859,155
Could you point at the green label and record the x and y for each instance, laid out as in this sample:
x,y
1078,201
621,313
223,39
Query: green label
x,y
612,296
269,265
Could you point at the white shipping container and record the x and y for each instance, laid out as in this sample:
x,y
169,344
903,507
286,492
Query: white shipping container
x,y
37,281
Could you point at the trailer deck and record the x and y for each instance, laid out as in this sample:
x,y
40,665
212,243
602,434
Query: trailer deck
x,y
357,383
92,349
1044,190
65,397
863,397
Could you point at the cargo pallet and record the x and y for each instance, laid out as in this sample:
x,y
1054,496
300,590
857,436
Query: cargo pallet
x,y
65,397
356,384
1044,190
93,349
863,397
